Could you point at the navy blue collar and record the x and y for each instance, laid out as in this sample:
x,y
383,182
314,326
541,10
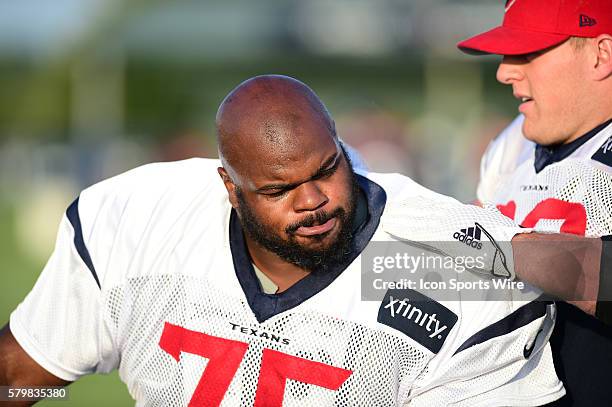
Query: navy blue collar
x,y
546,155
264,305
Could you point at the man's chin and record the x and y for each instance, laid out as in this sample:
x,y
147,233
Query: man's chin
x,y
535,132
317,246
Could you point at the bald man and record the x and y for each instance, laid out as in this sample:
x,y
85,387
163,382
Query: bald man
x,y
248,291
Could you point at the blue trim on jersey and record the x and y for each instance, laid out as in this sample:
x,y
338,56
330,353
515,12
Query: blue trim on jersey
x,y
519,318
265,306
604,153
73,216
546,155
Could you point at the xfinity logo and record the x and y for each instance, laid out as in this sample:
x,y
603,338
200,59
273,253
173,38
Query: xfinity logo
x,y
416,315
424,320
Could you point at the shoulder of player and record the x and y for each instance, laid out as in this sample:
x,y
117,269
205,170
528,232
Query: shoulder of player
x,y
159,174
603,153
512,134
152,181
399,187
514,128
595,154
144,203
508,143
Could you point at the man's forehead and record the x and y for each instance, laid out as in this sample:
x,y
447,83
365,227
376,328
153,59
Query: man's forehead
x,y
291,165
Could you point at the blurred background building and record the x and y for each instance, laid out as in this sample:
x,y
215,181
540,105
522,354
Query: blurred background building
x,y
91,88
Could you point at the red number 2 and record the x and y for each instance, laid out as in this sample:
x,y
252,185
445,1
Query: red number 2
x,y
224,357
573,214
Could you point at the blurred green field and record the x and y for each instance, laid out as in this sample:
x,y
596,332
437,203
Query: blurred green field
x,y
18,274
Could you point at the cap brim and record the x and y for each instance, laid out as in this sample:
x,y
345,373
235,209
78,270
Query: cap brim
x,y
510,41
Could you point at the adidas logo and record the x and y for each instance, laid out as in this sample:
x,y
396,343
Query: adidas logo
x,y
470,236
586,21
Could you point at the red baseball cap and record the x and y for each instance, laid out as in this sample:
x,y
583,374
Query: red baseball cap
x,y
534,25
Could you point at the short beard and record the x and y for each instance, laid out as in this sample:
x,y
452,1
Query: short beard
x,y
312,260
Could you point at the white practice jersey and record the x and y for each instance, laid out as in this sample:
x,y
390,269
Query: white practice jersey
x,y
571,195
151,276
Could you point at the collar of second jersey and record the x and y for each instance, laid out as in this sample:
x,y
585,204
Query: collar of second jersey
x,y
547,155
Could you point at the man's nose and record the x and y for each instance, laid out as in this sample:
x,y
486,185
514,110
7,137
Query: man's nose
x,y
309,197
510,70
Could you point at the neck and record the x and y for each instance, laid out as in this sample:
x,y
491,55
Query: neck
x,y
282,273
597,109
588,127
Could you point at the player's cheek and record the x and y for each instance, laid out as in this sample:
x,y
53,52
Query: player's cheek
x,y
272,213
340,190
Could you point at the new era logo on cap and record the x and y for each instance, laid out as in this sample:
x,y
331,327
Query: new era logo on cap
x,y
586,21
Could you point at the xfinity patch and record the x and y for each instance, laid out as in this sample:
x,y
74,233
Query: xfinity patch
x,y
604,153
426,321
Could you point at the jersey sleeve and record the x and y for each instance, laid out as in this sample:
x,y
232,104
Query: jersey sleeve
x,y
497,351
68,321
493,356
59,323
453,229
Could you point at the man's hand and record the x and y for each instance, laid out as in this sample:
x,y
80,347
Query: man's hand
x,y
564,266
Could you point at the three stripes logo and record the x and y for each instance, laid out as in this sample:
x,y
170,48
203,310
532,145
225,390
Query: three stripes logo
x,y
470,236
586,21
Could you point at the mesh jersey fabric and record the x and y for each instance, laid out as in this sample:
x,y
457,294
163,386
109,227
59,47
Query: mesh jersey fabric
x,y
508,179
573,195
169,299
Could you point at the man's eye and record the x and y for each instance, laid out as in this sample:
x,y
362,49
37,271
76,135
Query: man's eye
x,y
276,194
328,172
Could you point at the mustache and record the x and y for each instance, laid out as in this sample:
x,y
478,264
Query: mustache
x,y
317,218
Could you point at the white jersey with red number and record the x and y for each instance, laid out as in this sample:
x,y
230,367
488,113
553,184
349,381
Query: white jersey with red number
x,y
151,276
573,195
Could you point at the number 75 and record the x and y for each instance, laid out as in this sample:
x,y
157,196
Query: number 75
x,y
224,357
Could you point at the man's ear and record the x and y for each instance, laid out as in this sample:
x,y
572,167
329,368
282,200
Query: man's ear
x,y
229,186
603,68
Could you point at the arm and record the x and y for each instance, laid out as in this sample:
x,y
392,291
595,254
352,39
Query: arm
x,y
18,369
566,266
